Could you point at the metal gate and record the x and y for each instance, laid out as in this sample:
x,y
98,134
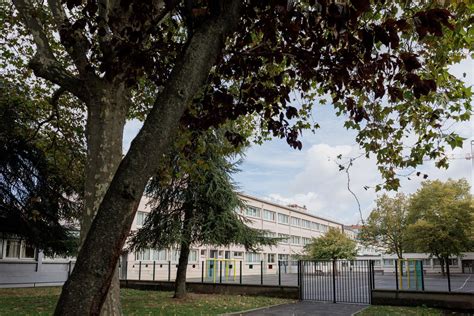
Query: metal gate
x,y
345,281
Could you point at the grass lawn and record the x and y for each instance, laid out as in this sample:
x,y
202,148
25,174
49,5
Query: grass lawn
x,y
401,311
41,301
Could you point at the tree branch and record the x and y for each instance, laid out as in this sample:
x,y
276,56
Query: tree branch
x,y
44,63
73,40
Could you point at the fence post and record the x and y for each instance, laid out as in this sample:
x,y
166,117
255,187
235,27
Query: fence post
x,y
396,273
279,272
220,271
422,276
297,271
334,280
202,272
154,266
139,270
449,276
300,279
261,272
169,270
240,276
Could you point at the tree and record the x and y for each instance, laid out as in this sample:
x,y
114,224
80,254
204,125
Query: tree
x,y
40,175
387,223
441,217
196,203
333,245
201,63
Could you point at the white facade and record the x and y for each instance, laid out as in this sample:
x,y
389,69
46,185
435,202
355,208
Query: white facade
x,y
295,224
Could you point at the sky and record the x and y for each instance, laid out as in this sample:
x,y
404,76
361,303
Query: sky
x,y
310,177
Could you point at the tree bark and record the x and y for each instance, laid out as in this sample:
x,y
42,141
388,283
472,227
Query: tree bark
x,y
105,124
85,291
180,282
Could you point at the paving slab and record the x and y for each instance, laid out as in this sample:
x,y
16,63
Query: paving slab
x,y
306,308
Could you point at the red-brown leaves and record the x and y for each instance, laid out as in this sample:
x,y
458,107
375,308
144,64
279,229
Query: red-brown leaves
x,y
431,22
410,61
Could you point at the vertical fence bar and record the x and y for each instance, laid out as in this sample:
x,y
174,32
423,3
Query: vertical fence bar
x,y
300,276
261,272
169,270
139,270
279,272
297,271
396,274
220,271
334,281
449,276
422,276
154,266
240,275
202,272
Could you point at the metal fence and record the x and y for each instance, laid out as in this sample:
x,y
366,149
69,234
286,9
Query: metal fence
x,y
282,273
411,275
348,281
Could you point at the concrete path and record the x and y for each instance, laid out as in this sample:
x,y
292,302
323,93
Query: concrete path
x,y
308,308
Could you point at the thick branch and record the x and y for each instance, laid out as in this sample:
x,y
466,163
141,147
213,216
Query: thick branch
x,y
86,289
44,63
73,40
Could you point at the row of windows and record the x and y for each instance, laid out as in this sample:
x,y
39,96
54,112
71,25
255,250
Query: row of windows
x,y
164,255
16,249
294,240
285,219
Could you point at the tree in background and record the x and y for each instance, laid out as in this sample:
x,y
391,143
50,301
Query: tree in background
x,y
154,59
332,246
41,172
195,202
441,219
386,224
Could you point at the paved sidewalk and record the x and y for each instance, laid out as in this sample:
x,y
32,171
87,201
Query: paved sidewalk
x,y
309,308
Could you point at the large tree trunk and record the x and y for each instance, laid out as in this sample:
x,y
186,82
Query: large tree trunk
x,y
105,124
180,282
85,291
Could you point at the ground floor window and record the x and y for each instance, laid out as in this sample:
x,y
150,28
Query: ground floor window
x,y
238,254
142,255
388,262
159,254
252,257
193,256
271,258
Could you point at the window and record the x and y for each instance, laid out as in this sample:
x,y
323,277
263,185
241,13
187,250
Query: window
x,y
296,240
453,262
213,254
203,252
282,257
285,238
427,262
306,223
159,254
141,217
377,263
295,221
27,251
174,255
12,248
142,255
269,215
323,227
238,254
271,258
389,262
269,234
252,211
315,226
193,256
306,241
283,219
252,257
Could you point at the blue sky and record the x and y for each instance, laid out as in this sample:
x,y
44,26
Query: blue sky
x,y
310,177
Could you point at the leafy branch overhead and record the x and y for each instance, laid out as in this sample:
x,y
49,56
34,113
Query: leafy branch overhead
x,y
383,65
